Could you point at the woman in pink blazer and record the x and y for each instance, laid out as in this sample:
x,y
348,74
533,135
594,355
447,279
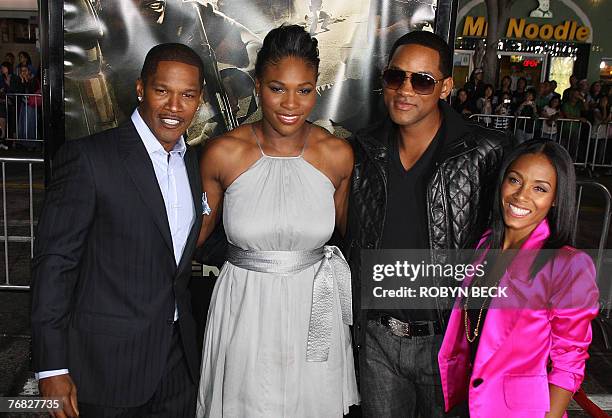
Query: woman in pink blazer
x,y
524,356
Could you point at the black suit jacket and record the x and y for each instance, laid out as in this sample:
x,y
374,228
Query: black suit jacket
x,y
105,279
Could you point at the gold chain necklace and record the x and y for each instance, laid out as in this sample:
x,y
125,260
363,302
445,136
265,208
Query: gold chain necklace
x,y
467,327
466,320
484,305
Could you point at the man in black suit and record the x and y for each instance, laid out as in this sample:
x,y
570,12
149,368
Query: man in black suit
x,y
111,313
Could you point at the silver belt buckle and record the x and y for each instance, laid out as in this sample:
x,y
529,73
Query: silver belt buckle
x,y
399,328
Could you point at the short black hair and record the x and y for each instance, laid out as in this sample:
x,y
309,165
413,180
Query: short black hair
x,y
170,52
561,217
287,41
6,64
428,40
9,54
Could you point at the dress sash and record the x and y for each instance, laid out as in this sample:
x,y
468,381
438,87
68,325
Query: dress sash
x,y
333,276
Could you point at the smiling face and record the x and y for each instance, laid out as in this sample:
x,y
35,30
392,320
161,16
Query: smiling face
x,y
405,106
170,99
528,192
287,94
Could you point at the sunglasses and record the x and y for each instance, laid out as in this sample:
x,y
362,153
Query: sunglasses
x,y
422,83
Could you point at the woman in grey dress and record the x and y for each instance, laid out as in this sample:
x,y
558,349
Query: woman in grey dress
x,y
277,342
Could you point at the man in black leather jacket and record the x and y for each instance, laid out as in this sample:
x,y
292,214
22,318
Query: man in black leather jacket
x,y
422,180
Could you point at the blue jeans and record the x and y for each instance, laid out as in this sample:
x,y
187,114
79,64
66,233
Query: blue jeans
x,y
400,376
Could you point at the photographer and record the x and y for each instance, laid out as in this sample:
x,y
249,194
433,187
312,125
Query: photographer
x,y
527,109
519,95
551,112
503,109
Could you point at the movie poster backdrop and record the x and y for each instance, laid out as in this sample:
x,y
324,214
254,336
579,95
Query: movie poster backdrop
x,y
105,42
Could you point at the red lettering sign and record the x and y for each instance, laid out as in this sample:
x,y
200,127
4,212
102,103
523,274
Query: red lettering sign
x,y
531,63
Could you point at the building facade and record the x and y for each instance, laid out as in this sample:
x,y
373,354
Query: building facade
x,y
542,40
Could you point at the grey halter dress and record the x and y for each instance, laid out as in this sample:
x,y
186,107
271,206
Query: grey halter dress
x,y
277,343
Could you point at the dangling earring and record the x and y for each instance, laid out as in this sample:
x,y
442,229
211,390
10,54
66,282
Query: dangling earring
x,y
140,98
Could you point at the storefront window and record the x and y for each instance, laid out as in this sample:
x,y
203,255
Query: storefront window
x,y
605,69
561,68
461,67
528,66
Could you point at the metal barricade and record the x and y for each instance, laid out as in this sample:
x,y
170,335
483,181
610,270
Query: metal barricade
x,y
602,195
23,224
600,135
23,118
501,122
574,135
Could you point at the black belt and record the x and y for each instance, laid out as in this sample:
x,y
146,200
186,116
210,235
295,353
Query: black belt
x,y
411,328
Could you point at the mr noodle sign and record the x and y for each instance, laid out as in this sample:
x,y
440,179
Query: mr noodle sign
x,y
520,29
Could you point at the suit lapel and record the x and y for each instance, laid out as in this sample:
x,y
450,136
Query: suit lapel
x,y
193,173
138,164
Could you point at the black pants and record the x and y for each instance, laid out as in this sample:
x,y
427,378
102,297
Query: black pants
x,y
175,396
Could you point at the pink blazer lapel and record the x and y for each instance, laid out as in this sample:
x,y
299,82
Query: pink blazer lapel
x,y
501,320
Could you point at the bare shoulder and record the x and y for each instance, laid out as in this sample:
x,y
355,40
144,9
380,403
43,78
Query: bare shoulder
x,y
330,147
228,148
227,156
331,154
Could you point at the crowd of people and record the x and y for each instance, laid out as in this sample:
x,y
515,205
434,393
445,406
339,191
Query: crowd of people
x,y
18,115
514,97
112,328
